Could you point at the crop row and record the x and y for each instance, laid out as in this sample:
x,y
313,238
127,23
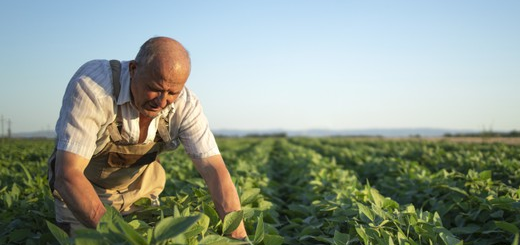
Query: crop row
x,y
297,191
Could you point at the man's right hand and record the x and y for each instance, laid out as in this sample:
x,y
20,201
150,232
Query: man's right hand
x,y
76,190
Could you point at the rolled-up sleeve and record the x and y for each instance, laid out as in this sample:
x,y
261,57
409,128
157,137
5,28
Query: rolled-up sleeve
x,y
81,117
194,131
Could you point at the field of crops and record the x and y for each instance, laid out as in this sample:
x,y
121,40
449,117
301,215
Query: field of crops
x,y
296,191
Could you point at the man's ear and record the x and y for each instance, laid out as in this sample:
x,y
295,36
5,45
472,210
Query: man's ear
x,y
132,66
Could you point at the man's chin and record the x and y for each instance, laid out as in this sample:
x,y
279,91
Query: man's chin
x,y
150,114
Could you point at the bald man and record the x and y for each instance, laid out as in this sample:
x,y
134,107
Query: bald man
x,y
116,117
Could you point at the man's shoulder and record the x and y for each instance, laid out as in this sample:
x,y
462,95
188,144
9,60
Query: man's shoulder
x,y
94,69
187,96
93,77
95,64
186,102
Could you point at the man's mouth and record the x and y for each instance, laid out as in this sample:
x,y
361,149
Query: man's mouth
x,y
152,107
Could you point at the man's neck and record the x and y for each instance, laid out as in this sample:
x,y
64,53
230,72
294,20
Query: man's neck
x,y
144,123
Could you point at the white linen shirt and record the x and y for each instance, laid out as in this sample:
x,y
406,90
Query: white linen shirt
x,y
89,107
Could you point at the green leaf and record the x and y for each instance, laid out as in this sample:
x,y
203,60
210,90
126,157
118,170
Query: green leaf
x,y
377,198
220,240
503,202
143,202
58,233
185,212
366,211
309,231
114,228
389,203
193,231
90,237
249,212
259,232
204,223
138,224
171,227
446,236
455,189
469,229
91,240
211,213
485,175
498,214
404,239
232,221
28,175
108,220
176,212
8,200
341,238
130,234
249,196
273,239
363,234
20,235
437,219
387,237
323,239
511,228
149,235
15,191
515,241
384,222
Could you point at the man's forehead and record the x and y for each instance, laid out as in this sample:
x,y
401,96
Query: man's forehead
x,y
168,85
168,72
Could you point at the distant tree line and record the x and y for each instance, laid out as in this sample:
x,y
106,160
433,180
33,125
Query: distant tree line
x,y
513,133
276,135
254,135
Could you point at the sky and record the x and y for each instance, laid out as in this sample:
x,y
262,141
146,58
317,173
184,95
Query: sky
x,y
289,65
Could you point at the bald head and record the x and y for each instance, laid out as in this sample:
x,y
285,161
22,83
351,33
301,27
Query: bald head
x,y
164,51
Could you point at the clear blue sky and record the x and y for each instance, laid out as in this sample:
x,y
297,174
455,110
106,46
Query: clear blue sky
x,y
283,64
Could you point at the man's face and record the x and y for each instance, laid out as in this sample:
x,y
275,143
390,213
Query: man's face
x,y
154,88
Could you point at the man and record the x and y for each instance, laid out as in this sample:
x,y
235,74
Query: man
x,y
115,119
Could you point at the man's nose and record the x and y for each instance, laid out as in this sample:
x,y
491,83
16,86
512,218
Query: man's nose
x,y
162,99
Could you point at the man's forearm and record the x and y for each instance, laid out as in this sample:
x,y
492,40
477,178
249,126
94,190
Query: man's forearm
x,y
81,198
226,199
221,188
223,192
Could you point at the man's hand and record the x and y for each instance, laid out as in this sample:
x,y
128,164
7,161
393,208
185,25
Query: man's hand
x,y
221,187
75,189
240,232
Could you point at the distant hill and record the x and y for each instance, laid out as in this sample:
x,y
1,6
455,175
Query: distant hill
x,y
403,132
35,134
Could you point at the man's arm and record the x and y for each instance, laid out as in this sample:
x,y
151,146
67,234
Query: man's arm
x,y
75,189
221,187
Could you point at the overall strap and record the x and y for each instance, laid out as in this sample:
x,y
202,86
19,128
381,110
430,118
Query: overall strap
x,y
114,128
115,65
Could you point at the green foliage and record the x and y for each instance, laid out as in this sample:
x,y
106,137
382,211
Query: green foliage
x,y
25,199
294,191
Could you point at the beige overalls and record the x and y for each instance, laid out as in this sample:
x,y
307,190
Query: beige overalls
x,y
121,173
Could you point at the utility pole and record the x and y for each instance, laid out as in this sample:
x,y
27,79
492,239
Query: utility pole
x,y
8,128
2,133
